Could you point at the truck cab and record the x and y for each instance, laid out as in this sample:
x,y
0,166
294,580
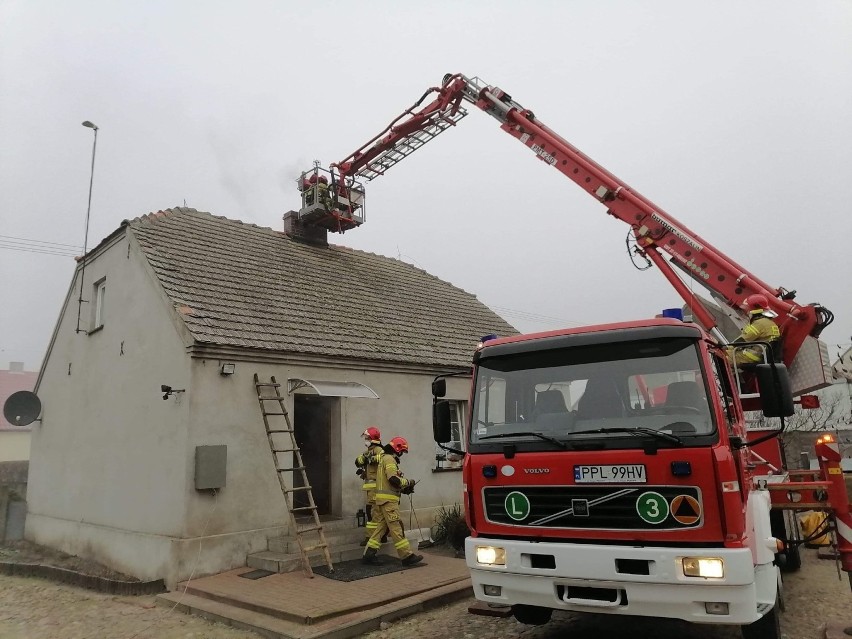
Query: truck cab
x,y
606,473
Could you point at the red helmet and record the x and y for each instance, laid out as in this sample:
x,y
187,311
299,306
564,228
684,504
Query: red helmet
x,y
373,433
399,445
756,303
313,179
322,179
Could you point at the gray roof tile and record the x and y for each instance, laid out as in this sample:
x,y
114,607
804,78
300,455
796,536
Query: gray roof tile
x,y
238,284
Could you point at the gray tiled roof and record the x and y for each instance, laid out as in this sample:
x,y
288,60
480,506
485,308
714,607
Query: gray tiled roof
x,y
238,284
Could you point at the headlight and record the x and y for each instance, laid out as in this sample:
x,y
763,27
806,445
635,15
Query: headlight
x,y
491,555
711,567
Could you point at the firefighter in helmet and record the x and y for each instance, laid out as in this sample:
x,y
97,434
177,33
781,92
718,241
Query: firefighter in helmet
x,y
367,463
389,485
760,328
323,194
309,189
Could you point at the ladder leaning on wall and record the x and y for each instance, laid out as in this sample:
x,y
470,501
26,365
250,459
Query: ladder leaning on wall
x,y
272,405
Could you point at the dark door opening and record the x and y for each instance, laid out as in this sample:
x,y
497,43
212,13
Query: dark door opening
x,y
312,428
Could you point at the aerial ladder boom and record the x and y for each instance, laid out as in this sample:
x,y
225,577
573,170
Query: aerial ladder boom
x,y
658,236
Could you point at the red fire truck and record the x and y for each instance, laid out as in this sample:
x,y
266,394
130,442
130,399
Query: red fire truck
x,y
609,468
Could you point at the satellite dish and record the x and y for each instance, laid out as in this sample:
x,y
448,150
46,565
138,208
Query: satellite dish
x,y
22,408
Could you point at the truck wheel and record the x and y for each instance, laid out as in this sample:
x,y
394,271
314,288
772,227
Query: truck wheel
x,y
790,559
531,615
768,626
783,526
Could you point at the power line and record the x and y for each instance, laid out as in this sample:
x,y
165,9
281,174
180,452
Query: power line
x,y
44,247
25,239
35,250
533,317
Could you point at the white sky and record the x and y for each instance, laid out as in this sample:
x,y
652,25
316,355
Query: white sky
x,y
734,117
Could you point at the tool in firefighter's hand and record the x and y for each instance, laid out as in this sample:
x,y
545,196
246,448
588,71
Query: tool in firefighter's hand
x,y
409,487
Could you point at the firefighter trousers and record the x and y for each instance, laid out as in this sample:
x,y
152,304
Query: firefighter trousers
x,y
386,517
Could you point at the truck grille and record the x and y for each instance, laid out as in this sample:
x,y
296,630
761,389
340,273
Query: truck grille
x,y
595,507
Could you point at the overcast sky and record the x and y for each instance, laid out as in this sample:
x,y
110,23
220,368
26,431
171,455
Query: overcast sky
x,y
734,117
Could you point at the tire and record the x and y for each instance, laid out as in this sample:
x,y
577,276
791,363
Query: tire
x,y
768,626
531,615
783,526
790,559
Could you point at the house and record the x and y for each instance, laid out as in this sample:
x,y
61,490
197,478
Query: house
x,y
14,440
181,310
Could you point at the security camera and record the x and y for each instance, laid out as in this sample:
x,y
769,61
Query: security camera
x,y
168,390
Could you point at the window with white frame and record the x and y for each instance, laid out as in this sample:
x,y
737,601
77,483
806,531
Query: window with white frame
x,y
99,298
443,458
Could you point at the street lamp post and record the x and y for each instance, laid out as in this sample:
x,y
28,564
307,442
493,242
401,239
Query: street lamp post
x,y
86,237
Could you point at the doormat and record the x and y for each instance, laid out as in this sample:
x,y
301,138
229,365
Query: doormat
x,y
256,574
354,570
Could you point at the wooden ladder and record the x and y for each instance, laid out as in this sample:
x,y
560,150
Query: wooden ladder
x,y
267,393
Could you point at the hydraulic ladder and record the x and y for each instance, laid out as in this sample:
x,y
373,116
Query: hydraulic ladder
x,y
272,405
405,146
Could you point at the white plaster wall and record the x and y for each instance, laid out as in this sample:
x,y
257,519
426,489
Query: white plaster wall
x,y
108,460
225,411
14,445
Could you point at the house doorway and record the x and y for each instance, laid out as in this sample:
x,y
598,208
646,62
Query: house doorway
x,y
312,418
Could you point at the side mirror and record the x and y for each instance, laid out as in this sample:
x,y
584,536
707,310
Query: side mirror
x,y
773,383
441,427
439,387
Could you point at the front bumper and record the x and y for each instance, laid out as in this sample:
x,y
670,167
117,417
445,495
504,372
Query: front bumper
x,y
592,578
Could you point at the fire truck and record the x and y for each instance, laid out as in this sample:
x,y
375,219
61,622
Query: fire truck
x,y
610,469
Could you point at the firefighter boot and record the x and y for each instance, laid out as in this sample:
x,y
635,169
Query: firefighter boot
x,y
370,557
412,559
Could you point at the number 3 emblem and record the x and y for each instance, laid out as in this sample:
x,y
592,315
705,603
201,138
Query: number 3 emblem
x,y
652,507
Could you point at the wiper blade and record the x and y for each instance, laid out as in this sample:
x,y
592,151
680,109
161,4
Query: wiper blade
x,y
546,438
634,431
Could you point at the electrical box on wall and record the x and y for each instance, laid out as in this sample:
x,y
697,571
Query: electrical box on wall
x,y
210,464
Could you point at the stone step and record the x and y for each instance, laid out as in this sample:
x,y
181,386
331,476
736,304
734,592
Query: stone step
x,y
286,560
334,537
231,615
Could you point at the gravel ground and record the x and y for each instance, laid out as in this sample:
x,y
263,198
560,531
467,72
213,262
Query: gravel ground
x,y
38,609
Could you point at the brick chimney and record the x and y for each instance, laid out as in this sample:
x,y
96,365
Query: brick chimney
x,y
304,232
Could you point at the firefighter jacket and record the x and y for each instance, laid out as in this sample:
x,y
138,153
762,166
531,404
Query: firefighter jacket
x,y
761,329
389,480
369,461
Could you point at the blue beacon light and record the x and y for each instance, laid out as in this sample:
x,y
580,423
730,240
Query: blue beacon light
x,y
673,313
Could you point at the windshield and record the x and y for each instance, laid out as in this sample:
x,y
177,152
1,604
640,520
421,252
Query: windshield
x,y
626,391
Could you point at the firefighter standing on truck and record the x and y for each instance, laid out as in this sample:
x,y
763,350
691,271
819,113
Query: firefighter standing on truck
x,y
367,463
389,485
760,328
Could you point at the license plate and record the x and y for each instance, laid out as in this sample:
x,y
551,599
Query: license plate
x,y
627,473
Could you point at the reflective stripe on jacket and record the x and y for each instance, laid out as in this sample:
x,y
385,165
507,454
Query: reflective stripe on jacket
x,y
375,451
385,491
762,329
